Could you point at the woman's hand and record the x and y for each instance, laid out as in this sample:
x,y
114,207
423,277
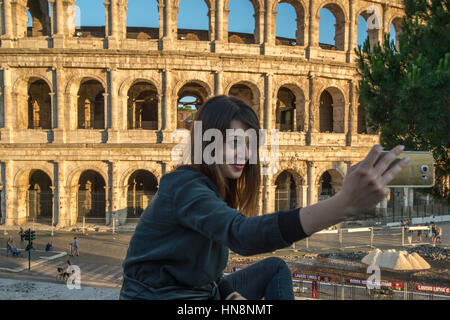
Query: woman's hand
x,y
365,184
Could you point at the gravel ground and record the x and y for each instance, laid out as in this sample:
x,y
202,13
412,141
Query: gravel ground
x,y
28,290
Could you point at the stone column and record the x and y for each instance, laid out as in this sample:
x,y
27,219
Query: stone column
x,y
2,204
312,31
59,18
108,206
269,106
218,88
169,124
270,20
107,5
309,106
260,209
117,211
161,6
54,111
302,195
8,110
219,26
105,108
116,108
350,28
61,217
9,32
212,22
270,195
58,84
312,187
259,26
114,19
169,26
9,194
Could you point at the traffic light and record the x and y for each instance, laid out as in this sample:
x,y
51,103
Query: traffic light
x,y
32,235
26,235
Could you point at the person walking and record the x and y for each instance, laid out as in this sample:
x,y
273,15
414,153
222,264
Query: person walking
x,y
75,246
22,235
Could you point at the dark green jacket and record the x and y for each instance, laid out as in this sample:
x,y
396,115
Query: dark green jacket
x,y
180,245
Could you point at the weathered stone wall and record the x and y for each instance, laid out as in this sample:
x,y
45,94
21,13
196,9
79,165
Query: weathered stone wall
x,y
212,65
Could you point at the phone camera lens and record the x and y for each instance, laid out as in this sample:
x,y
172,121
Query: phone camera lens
x,y
424,168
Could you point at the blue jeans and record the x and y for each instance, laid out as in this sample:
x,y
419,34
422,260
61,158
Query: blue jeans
x,y
269,278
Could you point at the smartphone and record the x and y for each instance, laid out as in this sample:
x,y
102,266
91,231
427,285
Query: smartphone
x,y
418,173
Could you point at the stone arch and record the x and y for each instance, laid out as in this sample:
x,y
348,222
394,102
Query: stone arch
x,y
199,90
142,106
286,184
254,101
300,104
297,175
130,81
336,180
258,7
140,191
337,105
74,175
341,16
397,22
21,182
142,31
27,108
202,83
127,174
195,36
374,34
73,85
299,7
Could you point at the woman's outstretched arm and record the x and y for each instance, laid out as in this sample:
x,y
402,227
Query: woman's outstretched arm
x,y
363,188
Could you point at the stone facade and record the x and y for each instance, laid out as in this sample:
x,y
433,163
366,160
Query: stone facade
x,y
94,110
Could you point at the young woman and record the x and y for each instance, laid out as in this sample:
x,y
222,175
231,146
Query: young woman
x,y
180,247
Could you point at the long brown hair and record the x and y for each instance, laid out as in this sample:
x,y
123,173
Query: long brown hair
x,y
217,113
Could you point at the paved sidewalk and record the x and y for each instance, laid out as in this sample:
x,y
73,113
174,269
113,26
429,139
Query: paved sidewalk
x,y
32,290
18,264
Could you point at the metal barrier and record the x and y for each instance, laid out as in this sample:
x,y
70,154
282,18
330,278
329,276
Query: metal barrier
x,y
338,239
335,291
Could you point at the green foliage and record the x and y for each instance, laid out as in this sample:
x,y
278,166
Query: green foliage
x,y
406,93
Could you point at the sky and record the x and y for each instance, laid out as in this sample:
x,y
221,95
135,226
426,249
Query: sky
x,y
193,15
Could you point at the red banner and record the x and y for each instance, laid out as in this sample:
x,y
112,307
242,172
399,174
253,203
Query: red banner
x,y
432,289
310,277
381,283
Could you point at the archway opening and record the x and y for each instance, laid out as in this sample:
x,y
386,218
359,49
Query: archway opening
x,y
332,38
91,105
142,106
142,20
91,197
289,24
40,197
242,22
38,14
193,20
286,110
285,192
142,186
39,105
190,98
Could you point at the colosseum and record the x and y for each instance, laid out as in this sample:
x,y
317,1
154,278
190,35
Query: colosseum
x,y
88,115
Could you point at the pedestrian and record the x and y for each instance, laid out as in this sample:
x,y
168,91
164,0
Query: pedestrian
x,y
22,235
75,246
203,209
49,247
30,247
419,234
438,235
432,219
433,233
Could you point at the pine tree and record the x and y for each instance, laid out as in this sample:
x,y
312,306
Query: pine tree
x,y
406,93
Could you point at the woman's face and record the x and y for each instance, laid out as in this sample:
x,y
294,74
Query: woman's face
x,y
234,169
